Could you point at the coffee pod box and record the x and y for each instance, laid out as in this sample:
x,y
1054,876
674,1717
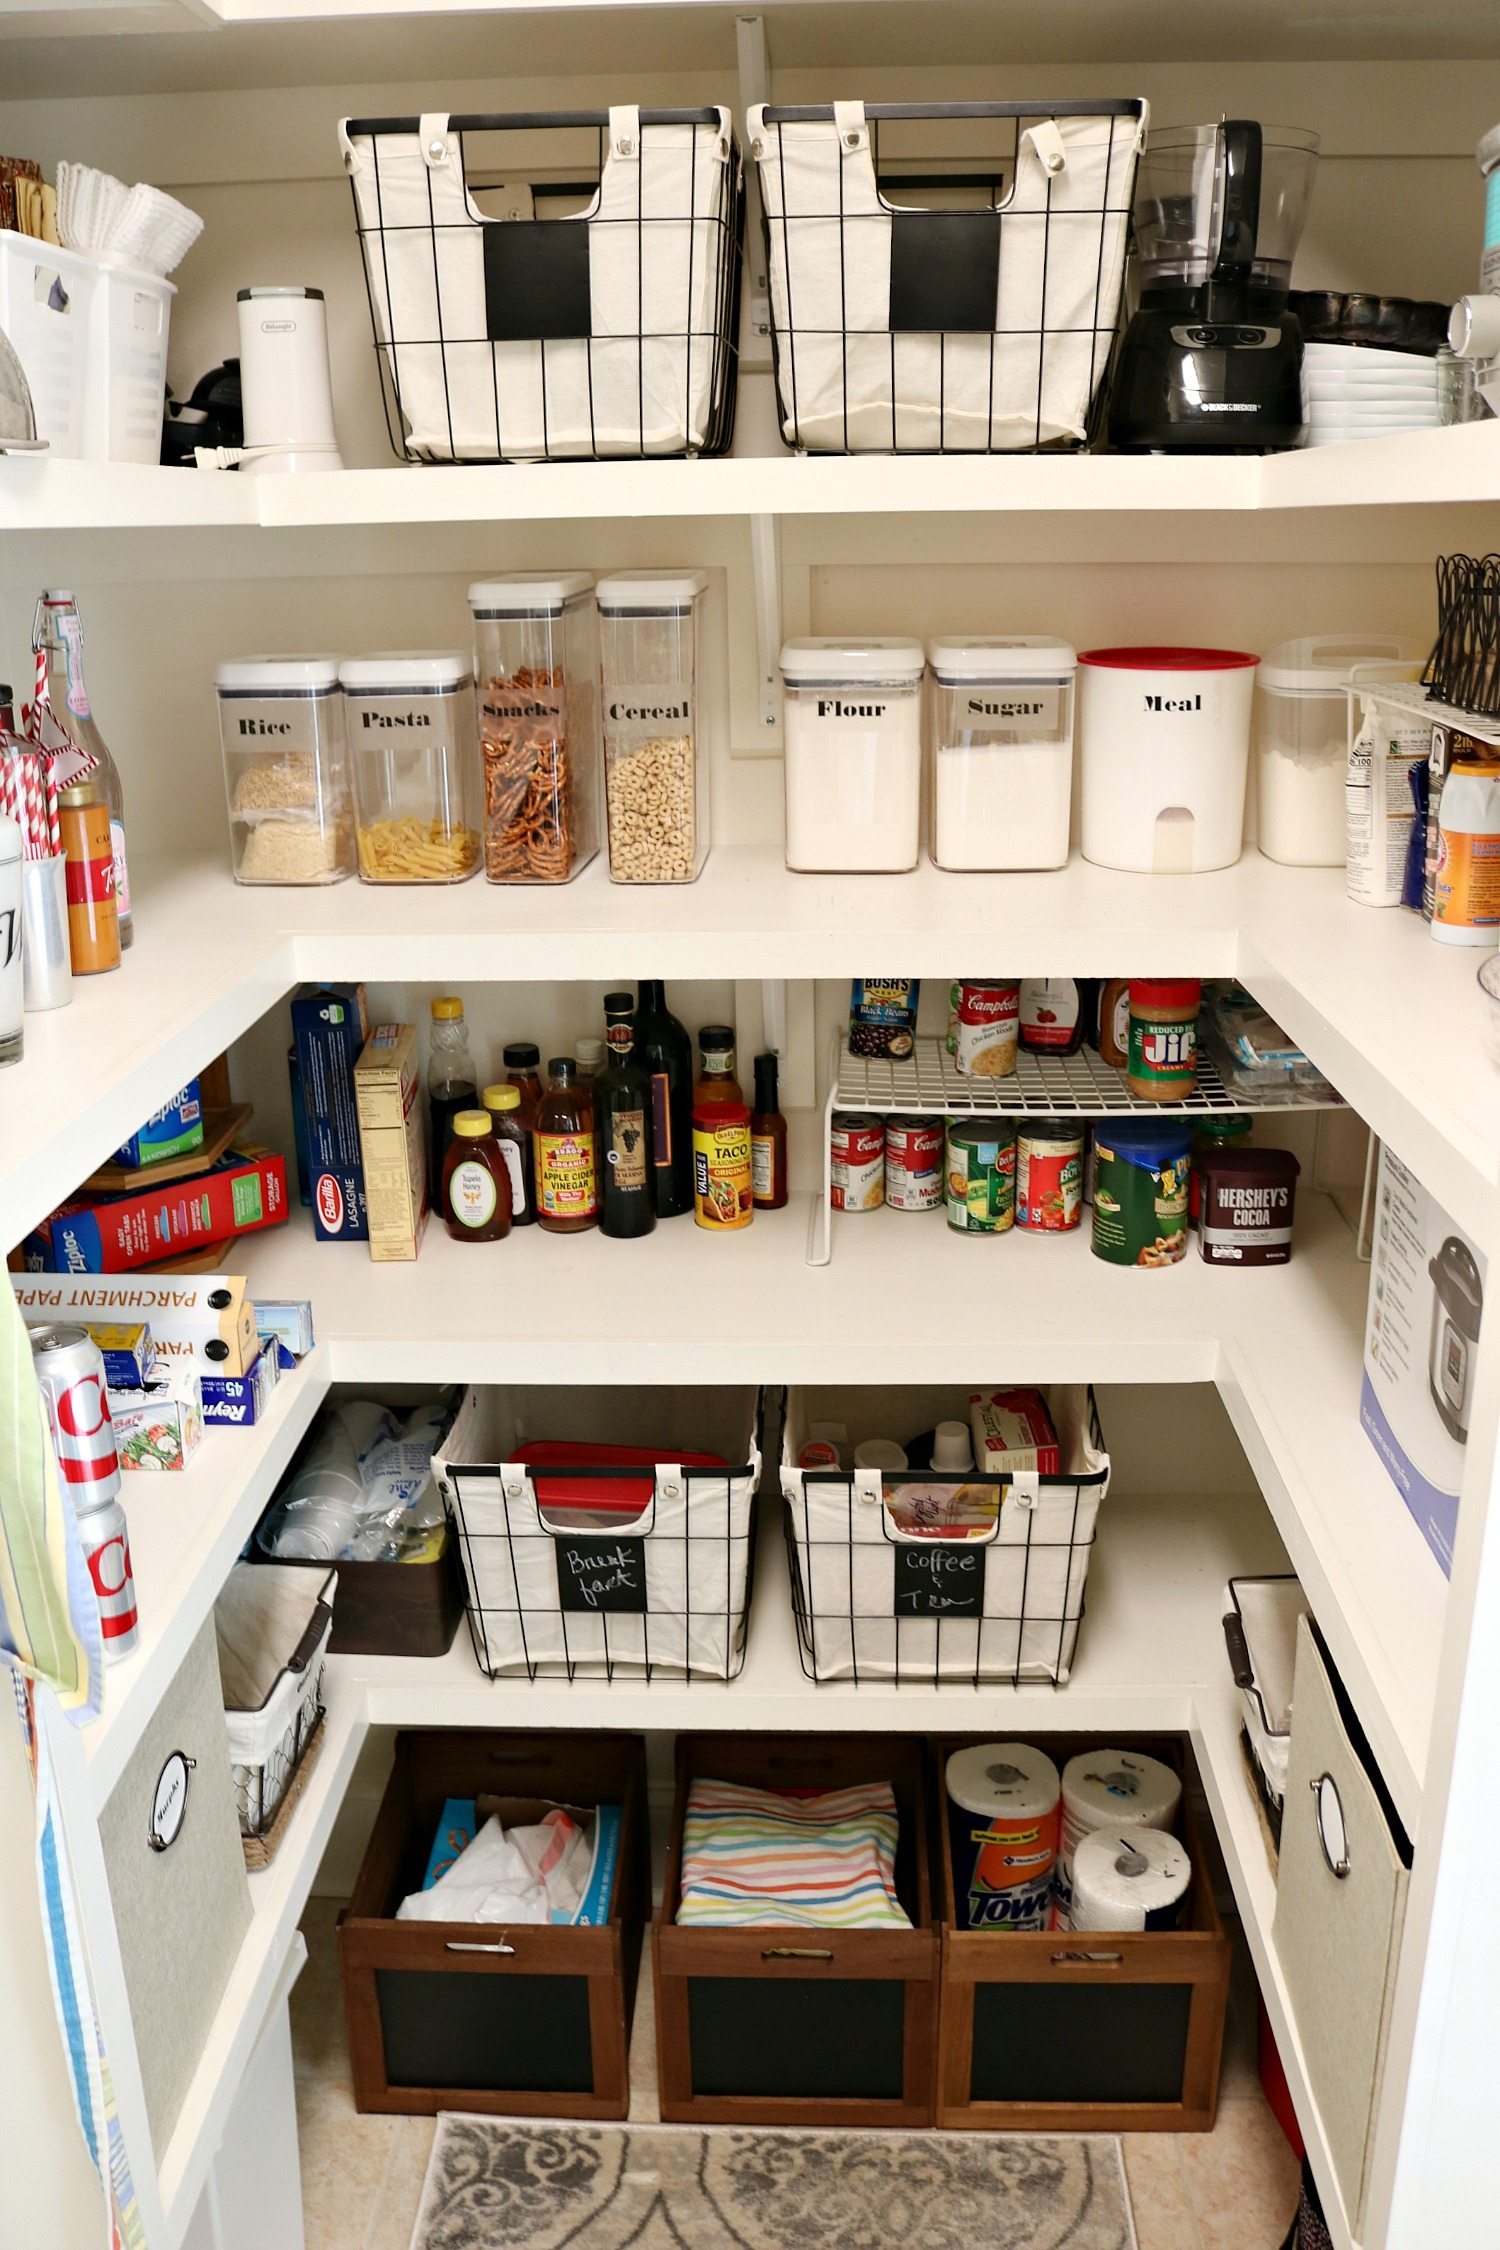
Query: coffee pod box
x,y
1421,1338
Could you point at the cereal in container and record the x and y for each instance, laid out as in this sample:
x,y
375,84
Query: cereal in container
x,y
536,661
286,769
655,769
411,745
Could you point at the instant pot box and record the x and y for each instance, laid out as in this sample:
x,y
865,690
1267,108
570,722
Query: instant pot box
x,y
1421,1334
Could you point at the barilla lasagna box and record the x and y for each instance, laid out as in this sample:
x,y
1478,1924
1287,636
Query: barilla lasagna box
x,y
239,1401
158,1427
202,1320
243,1192
329,1029
170,1131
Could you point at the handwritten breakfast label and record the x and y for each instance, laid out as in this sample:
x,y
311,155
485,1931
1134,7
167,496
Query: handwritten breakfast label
x,y
939,1578
599,1575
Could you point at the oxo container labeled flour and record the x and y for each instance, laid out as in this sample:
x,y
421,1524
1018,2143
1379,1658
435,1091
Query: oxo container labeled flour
x,y
853,754
1004,1811
1165,735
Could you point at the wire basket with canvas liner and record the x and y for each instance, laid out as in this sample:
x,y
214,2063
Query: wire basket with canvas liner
x,y
603,334
899,329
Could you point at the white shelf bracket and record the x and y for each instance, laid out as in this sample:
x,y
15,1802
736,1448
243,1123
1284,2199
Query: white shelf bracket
x,y
765,566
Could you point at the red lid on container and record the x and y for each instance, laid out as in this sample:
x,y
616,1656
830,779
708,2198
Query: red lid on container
x,y
618,1495
1166,992
1168,659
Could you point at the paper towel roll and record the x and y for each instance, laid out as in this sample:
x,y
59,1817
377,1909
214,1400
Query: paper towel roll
x,y
1004,1810
1129,1879
1109,1788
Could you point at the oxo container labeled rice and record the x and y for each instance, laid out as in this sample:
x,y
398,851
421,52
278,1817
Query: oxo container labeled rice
x,y
1141,1191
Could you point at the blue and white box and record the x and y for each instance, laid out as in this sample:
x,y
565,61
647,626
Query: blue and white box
x,y
329,1029
239,1401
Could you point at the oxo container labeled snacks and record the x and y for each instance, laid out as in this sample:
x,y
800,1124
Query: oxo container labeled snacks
x,y
856,1152
536,668
1140,1191
980,1183
1049,1175
286,769
655,766
1246,1200
411,740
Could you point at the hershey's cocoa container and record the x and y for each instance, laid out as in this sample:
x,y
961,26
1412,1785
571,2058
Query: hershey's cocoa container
x,y
914,1163
70,1375
106,1550
988,1025
857,1161
1247,1200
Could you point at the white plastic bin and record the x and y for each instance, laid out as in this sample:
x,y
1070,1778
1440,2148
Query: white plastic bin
x,y
92,339
1301,738
1165,744
853,754
273,1623
1002,751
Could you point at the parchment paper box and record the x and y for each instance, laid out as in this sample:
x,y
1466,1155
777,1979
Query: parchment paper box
x,y
388,1100
206,1319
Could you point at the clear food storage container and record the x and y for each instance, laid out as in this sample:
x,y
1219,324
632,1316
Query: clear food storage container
x,y
411,744
286,769
655,769
1301,732
1002,751
853,754
536,668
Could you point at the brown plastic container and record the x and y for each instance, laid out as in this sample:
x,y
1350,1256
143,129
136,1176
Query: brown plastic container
x,y
1246,1204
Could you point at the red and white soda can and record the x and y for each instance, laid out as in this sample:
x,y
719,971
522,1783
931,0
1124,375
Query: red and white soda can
x,y
106,1550
70,1372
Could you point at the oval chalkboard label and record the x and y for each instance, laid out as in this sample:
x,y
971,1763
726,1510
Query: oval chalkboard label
x,y
169,1801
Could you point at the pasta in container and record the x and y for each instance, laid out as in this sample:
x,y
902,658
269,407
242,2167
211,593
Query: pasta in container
x,y
411,736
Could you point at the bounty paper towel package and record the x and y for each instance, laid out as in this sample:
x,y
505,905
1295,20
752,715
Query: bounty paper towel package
x,y
1421,1334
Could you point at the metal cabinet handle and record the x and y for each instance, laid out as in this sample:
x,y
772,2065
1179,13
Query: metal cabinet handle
x,y
1333,1835
797,1953
454,1945
1072,1960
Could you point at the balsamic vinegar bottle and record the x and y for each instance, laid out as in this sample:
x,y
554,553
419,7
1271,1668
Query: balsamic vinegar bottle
x,y
665,1053
622,1100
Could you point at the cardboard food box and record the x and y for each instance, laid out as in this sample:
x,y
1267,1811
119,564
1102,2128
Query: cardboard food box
x,y
1421,1346
388,1098
329,1029
171,1130
202,1320
239,1401
243,1192
161,1426
127,1349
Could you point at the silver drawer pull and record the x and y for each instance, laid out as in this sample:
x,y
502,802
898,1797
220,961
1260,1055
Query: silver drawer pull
x,y
1332,1834
455,1946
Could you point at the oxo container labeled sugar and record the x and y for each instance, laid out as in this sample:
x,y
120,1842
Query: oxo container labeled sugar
x,y
1108,1788
1004,1807
1129,1879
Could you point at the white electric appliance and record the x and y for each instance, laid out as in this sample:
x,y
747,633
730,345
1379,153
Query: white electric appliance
x,y
284,382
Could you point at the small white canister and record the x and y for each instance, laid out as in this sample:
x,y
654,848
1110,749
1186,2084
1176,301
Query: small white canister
x,y
853,754
1002,752
1165,746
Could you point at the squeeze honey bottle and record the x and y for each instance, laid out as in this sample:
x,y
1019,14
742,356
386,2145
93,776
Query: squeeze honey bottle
x,y
476,1202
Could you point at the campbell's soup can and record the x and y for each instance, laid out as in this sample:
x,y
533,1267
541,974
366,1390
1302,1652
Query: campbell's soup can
x,y
106,1550
914,1163
988,1026
1049,1175
857,1153
70,1374
1004,1820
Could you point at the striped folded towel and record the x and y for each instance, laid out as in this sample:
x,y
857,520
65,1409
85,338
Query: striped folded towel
x,y
750,1857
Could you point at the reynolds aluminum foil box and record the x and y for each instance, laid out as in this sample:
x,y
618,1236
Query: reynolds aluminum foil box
x,y
329,1029
172,1130
239,1401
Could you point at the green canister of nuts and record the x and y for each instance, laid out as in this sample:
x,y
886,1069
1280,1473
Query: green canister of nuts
x,y
1141,1191
979,1174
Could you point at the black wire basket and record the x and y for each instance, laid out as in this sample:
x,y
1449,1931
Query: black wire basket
x,y
1464,667
606,330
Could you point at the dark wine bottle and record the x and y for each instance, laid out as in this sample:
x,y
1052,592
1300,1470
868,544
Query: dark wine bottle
x,y
622,1101
664,1052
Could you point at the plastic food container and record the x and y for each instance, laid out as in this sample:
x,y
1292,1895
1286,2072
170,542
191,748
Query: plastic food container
x,y
411,735
1141,1191
536,669
286,769
1301,739
1002,752
1165,745
655,769
853,754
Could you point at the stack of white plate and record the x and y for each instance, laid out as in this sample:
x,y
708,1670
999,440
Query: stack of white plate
x,y
1350,392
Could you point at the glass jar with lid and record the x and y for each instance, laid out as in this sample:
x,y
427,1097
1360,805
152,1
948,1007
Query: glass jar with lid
x,y
853,711
536,667
1002,751
412,748
286,769
655,769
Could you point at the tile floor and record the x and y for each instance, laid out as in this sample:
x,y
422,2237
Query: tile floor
x,y
1232,2189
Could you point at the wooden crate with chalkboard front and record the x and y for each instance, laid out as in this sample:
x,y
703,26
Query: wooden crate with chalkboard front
x,y
524,2019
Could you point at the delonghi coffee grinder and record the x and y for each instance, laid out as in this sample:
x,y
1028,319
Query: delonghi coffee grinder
x,y
1212,361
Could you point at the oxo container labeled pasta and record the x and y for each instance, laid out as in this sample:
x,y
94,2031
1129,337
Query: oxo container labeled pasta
x,y
411,744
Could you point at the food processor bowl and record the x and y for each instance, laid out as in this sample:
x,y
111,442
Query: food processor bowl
x,y
1210,204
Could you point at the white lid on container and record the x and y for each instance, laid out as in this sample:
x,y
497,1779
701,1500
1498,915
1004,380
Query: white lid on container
x,y
1324,664
883,656
1488,151
529,594
278,675
404,668
1001,657
1004,1777
649,592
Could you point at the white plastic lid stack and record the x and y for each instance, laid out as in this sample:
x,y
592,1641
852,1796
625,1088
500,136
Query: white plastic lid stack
x,y
881,660
404,669
998,658
278,675
1326,663
648,593
530,594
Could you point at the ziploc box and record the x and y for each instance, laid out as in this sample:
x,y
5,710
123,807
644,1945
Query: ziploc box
x,y
203,1320
240,1194
239,1401
388,1093
172,1130
1421,1346
329,1029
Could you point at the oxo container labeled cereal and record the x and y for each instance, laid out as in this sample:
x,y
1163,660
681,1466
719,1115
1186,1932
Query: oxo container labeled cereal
x,y
980,1184
987,1023
856,1151
1140,1192
723,1197
1049,1175
914,1163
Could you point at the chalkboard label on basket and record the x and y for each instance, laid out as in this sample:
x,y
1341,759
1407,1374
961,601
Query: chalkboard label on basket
x,y
595,1575
939,1579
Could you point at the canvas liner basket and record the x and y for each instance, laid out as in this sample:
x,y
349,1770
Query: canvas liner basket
x,y
606,334
904,330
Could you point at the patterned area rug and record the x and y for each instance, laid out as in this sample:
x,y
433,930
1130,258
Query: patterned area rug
x,y
498,2186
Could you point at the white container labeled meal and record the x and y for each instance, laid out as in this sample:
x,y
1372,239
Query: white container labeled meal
x,y
1301,737
1165,745
286,769
655,765
536,663
412,747
853,721
1002,751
